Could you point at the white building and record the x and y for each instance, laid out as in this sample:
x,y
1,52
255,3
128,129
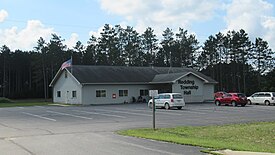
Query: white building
x,y
117,84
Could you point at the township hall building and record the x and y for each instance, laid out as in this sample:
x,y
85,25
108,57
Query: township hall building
x,y
79,84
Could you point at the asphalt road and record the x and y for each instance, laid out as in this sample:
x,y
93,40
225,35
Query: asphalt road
x,y
84,130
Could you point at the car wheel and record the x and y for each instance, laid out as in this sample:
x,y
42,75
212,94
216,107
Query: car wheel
x,y
179,108
249,102
166,106
234,104
267,102
217,103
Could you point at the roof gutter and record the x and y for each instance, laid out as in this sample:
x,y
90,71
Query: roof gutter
x,y
108,83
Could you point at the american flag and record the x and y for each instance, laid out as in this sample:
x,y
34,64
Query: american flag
x,y
67,63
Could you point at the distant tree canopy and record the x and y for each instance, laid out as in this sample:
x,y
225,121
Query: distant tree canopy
x,y
232,59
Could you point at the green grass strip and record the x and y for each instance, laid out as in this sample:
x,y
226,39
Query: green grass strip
x,y
19,104
255,137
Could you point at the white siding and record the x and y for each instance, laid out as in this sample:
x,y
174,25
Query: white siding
x,y
208,93
89,93
66,86
192,88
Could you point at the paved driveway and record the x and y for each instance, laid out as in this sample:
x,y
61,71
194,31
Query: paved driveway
x,y
82,130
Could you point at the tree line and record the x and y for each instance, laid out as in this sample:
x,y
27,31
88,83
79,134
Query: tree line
x,y
232,59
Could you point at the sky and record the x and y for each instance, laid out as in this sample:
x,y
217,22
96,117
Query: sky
x,y
23,22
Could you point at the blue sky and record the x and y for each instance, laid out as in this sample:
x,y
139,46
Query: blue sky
x,y
22,22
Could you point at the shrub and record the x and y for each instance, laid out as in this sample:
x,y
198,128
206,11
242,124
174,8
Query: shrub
x,y
5,100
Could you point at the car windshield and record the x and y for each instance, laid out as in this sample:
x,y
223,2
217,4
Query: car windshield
x,y
241,95
156,97
177,96
227,95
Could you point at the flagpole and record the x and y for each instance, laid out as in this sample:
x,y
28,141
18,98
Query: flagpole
x,y
72,64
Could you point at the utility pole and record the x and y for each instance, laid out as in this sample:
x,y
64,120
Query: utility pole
x,y
154,114
153,93
4,77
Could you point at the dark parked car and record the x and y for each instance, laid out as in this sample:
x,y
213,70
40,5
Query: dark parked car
x,y
233,99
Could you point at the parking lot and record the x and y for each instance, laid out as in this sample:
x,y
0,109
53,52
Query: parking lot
x,y
90,129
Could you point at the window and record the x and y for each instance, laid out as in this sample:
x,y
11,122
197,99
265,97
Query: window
x,y
228,95
66,74
261,95
156,97
166,96
267,95
255,95
123,93
58,93
177,96
100,93
73,94
144,92
161,97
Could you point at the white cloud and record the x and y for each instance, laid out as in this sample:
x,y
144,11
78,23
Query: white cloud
x,y
254,16
162,13
269,25
71,42
96,33
26,38
124,7
3,15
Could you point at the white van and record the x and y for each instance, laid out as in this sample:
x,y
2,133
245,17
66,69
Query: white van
x,y
168,100
266,98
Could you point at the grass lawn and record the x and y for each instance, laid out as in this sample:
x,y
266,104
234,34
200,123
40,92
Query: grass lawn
x,y
22,104
4,102
255,137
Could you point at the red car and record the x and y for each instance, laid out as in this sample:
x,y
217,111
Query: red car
x,y
233,99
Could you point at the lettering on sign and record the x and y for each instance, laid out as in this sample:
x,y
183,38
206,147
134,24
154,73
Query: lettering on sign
x,y
187,92
186,82
187,86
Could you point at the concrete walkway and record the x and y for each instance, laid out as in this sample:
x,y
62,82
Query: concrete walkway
x,y
230,152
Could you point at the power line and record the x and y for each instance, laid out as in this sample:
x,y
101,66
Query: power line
x,y
51,24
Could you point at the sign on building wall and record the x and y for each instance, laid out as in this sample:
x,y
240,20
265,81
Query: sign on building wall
x,y
187,86
191,87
